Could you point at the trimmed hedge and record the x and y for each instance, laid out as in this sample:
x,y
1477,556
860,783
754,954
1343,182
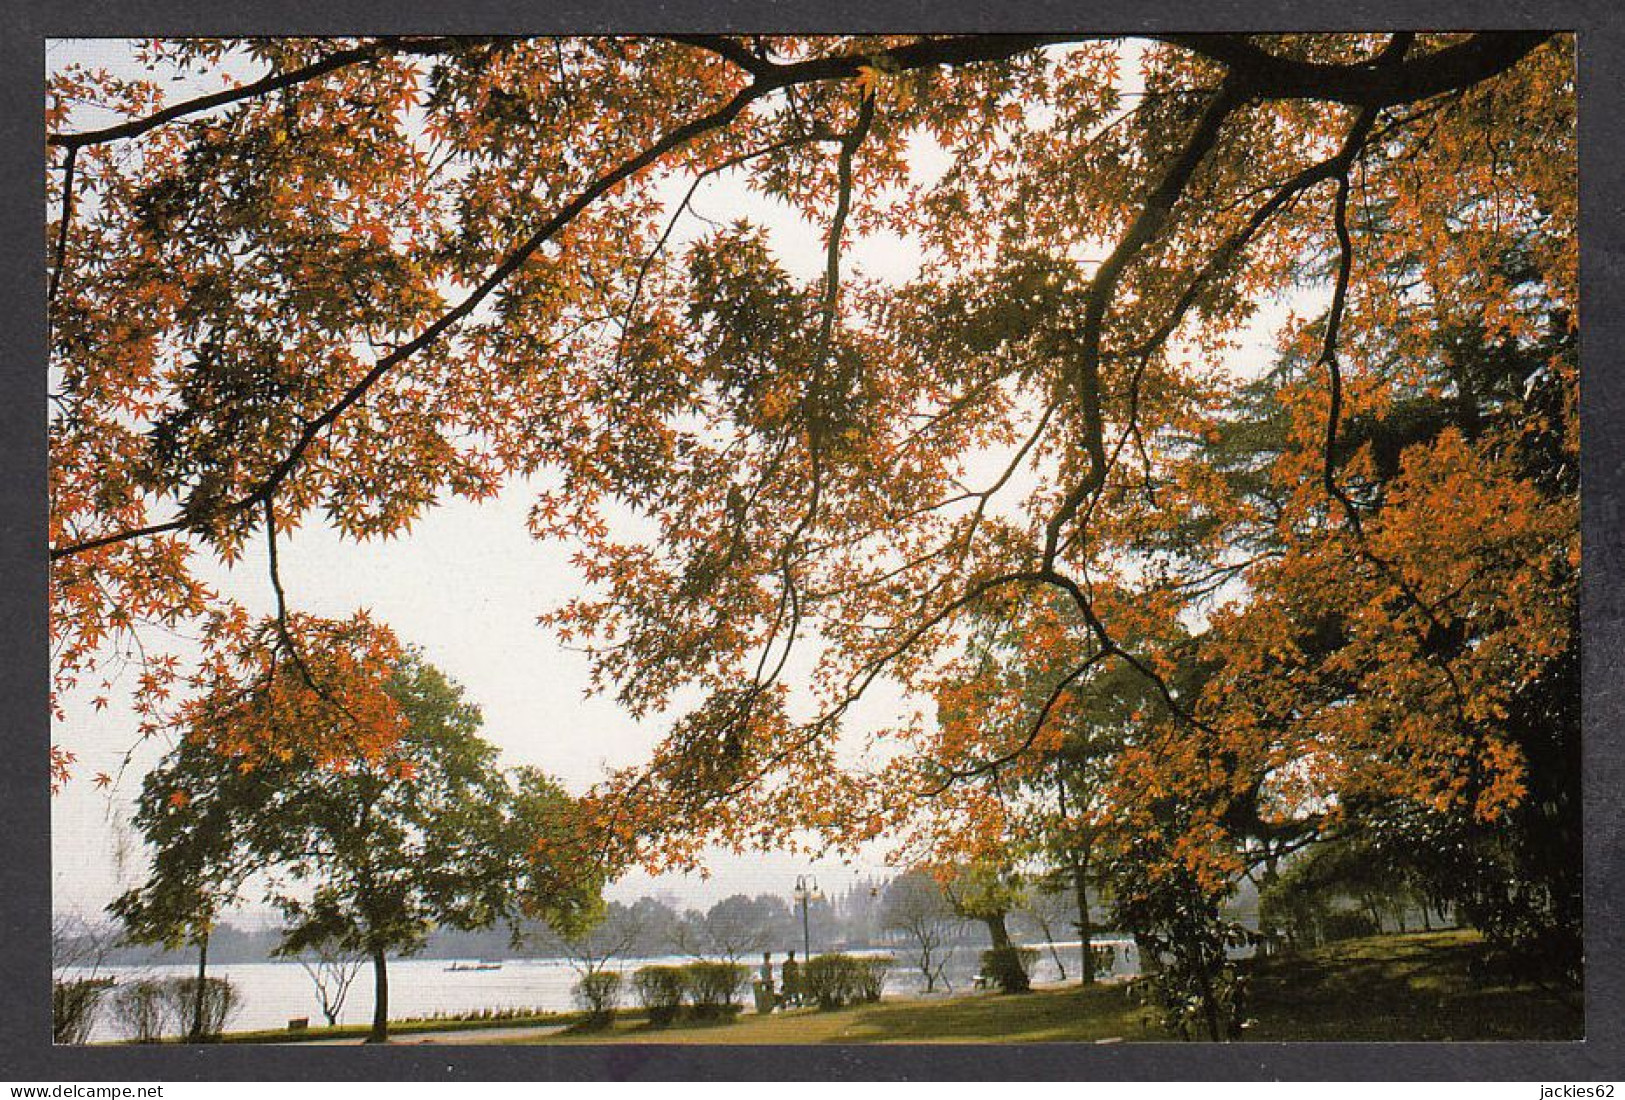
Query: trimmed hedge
x,y
143,1010
872,973
598,995
712,990
835,980
74,1005
713,986
660,991
220,1003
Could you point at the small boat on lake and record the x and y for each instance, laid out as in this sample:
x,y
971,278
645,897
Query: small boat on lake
x,y
482,965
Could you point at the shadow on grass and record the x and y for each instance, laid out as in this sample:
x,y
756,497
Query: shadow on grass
x,y
1422,987
1076,1015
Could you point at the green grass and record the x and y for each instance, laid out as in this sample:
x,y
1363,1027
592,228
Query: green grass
x,y
1417,987
1078,1015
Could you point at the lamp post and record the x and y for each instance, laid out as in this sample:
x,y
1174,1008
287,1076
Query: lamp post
x,y
806,892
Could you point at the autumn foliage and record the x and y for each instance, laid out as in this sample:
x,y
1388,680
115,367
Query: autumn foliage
x,y
1226,403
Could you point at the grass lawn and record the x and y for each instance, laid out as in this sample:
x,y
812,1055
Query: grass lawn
x,y
1401,987
1071,1013
1411,987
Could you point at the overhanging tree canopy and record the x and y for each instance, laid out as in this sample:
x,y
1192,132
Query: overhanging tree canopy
x,y
395,270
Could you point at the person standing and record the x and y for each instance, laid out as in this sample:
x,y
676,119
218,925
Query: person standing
x,y
765,1000
790,979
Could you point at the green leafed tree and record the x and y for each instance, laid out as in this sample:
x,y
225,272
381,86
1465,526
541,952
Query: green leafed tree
x,y
375,855
370,855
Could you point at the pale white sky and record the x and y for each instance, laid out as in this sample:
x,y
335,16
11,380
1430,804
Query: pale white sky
x,y
466,586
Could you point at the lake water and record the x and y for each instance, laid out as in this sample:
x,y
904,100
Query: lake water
x,y
275,992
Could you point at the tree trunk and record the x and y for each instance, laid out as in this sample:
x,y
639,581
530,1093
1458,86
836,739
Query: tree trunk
x,y
1210,1006
1150,964
1270,876
1080,882
196,1034
380,998
997,931
926,967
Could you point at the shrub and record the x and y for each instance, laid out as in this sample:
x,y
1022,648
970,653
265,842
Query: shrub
x,y
143,1010
871,976
712,986
834,980
220,1002
598,995
74,1005
1009,967
660,992
1347,924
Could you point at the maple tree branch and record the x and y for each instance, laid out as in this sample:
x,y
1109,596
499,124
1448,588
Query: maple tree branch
x,y
1237,242
1480,57
1228,251
630,314
274,82
495,278
728,49
62,227
789,601
1086,607
1036,727
850,144
1329,360
1369,84
284,632
1153,215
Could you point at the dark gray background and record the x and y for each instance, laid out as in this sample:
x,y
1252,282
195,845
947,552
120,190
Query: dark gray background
x,y
25,1050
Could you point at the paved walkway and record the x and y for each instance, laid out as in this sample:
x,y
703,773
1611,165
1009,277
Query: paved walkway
x,y
471,1036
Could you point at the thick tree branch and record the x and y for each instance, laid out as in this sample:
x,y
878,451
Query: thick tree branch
x,y
1373,84
1153,215
850,144
729,49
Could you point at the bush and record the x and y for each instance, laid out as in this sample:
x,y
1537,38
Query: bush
x,y
1009,967
598,995
835,980
74,1005
143,1010
871,976
829,980
712,986
1348,924
660,992
220,1002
